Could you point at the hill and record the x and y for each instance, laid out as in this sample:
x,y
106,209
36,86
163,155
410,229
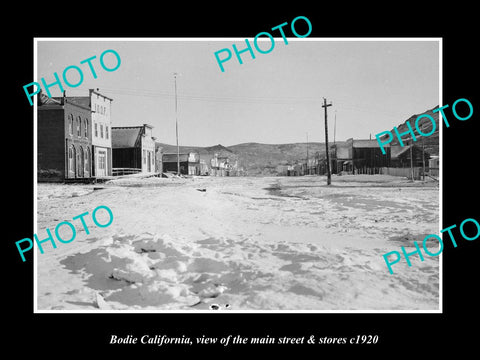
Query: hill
x,y
431,142
206,153
263,159
256,158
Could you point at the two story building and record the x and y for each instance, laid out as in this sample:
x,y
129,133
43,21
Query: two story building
x,y
101,125
64,140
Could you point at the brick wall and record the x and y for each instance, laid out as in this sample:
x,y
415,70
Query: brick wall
x,y
54,137
78,140
50,145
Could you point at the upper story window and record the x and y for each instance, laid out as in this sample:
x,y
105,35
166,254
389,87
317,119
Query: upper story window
x,y
86,128
101,131
96,130
70,124
106,132
79,120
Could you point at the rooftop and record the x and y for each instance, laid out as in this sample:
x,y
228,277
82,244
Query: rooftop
x,y
173,157
367,144
126,137
97,93
58,101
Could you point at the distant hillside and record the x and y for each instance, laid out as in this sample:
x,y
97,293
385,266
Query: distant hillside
x,y
218,149
256,158
431,142
263,159
206,153
172,149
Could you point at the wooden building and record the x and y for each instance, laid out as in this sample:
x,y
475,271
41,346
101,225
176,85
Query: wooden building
x,y
133,149
204,169
100,128
401,155
189,163
434,165
220,165
359,157
64,140
158,159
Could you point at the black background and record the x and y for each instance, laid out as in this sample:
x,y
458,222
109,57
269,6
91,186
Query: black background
x,y
61,335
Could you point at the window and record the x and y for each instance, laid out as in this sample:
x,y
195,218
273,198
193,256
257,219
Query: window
x,y
101,160
106,132
144,156
86,162
80,159
70,124
71,161
86,128
96,130
101,131
78,126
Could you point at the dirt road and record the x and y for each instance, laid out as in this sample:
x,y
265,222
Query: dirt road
x,y
277,243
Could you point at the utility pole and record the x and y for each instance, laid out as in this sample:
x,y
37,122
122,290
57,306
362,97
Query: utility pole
x,y
423,159
423,155
335,129
307,153
335,141
176,125
409,142
325,105
423,150
411,158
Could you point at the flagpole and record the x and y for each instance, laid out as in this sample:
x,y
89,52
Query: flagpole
x,y
176,125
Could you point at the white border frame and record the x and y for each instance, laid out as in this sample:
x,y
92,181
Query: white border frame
x,y
340,39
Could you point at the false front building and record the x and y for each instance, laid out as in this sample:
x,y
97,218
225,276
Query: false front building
x,y
359,157
189,163
101,124
133,149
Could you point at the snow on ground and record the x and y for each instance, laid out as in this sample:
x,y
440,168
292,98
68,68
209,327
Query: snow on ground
x,y
273,243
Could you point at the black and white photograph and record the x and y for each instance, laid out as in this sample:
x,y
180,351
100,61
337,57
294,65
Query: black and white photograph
x,y
221,179
261,187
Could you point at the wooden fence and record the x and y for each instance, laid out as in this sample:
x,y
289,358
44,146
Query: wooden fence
x,y
125,171
406,172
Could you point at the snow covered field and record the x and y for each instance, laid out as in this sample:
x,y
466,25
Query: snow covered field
x,y
273,243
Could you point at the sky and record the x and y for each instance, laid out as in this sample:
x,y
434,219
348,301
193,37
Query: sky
x,y
274,98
